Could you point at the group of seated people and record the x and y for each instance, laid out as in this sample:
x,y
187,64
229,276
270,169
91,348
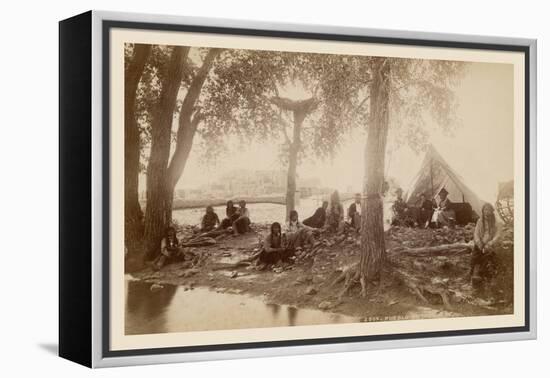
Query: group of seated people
x,y
330,216
426,214
238,218
281,245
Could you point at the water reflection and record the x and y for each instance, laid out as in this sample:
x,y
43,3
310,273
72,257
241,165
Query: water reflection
x,y
173,309
275,308
292,314
145,309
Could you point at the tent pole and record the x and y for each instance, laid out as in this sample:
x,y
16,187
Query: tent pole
x,y
432,178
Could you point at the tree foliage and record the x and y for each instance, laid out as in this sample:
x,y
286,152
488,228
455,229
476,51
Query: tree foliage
x,y
239,99
422,92
149,90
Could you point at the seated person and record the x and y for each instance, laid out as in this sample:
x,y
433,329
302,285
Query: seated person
x,y
210,220
400,211
317,220
274,247
354,212
425,211
486,235
241,225
169,248
231,215
443,215
297,235
335,214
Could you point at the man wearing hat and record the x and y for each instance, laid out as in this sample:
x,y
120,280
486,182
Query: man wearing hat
x,y
444,215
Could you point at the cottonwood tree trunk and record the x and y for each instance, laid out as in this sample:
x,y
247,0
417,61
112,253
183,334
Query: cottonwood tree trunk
x,y
133,216
372,220
290,199
295,145
300,110
168,205
161,128
188,122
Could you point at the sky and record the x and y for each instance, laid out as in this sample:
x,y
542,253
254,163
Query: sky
x,y
481,149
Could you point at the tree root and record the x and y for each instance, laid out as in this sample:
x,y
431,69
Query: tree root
x,y
231,266
244,262
306,254
444,249
427,293
350,275
199,242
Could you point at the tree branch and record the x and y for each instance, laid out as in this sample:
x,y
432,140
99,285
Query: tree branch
x,y
189,118
283,124
362,103
196,119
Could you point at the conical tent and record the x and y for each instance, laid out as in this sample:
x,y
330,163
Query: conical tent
x,y
435,174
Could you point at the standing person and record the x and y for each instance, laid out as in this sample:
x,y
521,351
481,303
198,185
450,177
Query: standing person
x,y
486,235
317,220
210,220
335,214
242,223
297,235
231,215
443,215
425,211
354,212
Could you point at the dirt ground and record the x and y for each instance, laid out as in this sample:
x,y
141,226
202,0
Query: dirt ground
x,y
413,285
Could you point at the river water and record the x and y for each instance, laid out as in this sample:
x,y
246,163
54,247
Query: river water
x,y
174,309
263,212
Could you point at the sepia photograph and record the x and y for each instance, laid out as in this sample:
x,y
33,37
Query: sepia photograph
x,y
274,189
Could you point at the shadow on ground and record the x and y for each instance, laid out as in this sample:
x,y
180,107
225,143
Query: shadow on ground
x,y
50,348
